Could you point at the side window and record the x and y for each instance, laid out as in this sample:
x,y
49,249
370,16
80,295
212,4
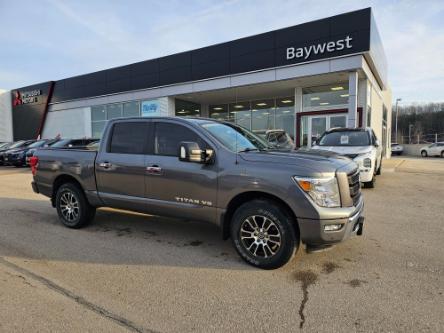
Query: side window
x,y
168,136
128,138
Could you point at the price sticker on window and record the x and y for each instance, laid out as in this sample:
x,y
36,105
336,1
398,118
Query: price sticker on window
x,y
344,139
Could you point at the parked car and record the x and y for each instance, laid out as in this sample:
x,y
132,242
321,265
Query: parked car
x,y
36,145
5,145
359,144
202,169
435,149
17,146
279,139
17,156
397,149
73,143
93,145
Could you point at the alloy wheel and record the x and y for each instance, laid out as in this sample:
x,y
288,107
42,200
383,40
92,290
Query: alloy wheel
x,y
260,236
69,206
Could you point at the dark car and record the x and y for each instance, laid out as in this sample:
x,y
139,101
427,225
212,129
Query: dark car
x,y
35,146
15,146
17,156
73,143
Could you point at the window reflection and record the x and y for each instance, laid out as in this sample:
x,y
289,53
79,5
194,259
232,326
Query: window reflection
x,y
325,97
258,115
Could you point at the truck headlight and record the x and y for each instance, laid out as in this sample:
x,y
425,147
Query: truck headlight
x,y
323,191
367,162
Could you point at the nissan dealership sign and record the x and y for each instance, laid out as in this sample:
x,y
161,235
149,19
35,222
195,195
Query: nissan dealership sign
x,y
319,48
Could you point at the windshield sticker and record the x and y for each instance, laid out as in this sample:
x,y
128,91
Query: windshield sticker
x,y
344,139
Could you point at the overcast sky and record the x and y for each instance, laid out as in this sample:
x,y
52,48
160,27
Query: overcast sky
x,y
53,39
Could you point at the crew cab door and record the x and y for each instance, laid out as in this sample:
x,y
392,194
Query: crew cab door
x,y
121,165
176,188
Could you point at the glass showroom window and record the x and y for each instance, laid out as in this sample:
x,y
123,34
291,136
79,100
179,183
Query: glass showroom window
x,y
284,114
131,109
219,112
187,109
98,120
241,114
262,115
325,97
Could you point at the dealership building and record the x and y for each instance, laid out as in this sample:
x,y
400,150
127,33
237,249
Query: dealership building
x,y
303,79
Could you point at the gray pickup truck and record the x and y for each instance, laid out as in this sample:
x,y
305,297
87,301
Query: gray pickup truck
x,y
267,201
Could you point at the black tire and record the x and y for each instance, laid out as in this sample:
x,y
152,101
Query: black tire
x,y
423,153
378,172
72,207
371,184
442,153
277,221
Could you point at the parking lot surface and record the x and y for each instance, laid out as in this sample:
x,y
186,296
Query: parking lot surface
x,y
139,273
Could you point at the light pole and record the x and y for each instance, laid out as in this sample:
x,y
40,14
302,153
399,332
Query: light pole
x,y
396,120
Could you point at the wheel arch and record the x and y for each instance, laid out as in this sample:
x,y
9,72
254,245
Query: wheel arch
x,y
59,181
244,197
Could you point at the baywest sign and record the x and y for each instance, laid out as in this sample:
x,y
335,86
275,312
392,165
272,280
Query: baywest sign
x,y
319,48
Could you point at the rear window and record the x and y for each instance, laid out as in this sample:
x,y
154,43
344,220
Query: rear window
x,y
128,138
345,138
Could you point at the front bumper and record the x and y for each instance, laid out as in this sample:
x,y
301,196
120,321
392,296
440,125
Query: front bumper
x,y
313,231
14,160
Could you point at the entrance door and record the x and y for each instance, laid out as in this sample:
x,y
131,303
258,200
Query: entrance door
x,y
317,125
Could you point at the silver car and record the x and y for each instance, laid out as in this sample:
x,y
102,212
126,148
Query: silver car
x,y
435,149
397,149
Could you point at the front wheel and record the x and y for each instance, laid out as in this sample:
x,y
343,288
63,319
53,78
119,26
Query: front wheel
x,y
264,234
424,153
442,153
378,172
371,184
72,207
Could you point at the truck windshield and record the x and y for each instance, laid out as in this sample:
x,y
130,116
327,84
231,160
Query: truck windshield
x,y
345,138
235,138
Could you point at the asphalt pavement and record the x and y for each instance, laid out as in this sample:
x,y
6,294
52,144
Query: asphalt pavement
x,y
139,273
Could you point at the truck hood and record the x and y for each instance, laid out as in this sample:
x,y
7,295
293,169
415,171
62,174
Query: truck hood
x,y
307,161
346,150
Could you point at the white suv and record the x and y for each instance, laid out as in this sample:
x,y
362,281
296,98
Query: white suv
x,y
359,144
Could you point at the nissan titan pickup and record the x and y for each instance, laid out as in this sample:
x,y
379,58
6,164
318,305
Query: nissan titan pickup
x,y
267,201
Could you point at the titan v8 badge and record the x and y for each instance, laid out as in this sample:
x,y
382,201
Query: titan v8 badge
x,y
194,201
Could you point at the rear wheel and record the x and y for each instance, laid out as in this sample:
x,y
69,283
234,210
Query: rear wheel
x,y
423,153
442,153
72,207
263,234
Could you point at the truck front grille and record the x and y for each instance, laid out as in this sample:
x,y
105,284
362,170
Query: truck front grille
x,y
354,186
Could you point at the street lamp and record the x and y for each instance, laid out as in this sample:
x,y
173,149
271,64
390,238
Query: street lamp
x,y
396,120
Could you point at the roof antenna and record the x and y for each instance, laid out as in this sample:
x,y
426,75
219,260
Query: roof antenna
x,y
234,115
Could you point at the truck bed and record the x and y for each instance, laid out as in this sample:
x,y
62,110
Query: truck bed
x,y
75,162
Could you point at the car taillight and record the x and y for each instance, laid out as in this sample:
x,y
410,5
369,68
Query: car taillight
x,y
34,162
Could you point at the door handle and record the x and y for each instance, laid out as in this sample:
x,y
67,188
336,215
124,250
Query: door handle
x,y
105,165
154,170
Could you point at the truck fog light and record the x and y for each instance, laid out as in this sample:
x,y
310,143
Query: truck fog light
x,y
332,227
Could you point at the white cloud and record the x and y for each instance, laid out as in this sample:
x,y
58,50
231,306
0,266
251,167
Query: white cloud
x,y
103,36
